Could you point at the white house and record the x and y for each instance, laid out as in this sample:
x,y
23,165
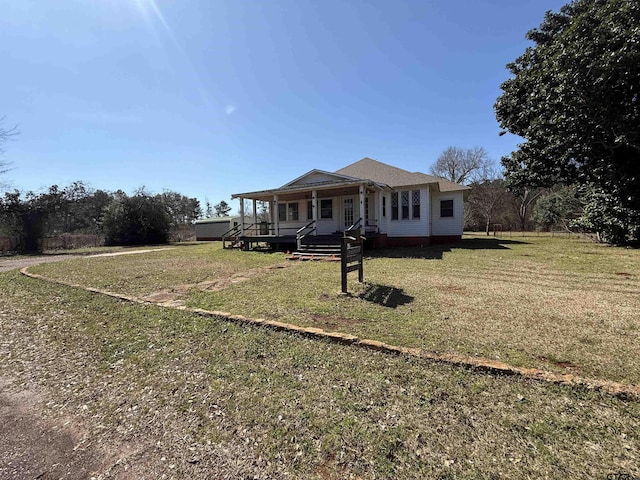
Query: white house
x,y
388,205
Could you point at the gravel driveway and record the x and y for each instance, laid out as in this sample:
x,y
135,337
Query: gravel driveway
x,y
11,263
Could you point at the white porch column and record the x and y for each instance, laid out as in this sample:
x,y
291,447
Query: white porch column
x,y
379,218
276,215
255,213
361,192
314,209
241,215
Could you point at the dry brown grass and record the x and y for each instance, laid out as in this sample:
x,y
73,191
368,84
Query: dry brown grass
x,y
192,397
567,305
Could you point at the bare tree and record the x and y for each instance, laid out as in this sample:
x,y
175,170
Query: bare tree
x,y
462,166
5,136
523,201
486,197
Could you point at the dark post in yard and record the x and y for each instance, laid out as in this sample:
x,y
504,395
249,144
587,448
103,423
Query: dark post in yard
x,y
351,259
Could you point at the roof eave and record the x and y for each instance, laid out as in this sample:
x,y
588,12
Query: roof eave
x,y
310,187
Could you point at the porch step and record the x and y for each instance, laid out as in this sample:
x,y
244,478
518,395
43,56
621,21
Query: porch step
x,y
298,255
317,251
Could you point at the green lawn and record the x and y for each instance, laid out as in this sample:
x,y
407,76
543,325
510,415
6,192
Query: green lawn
x,y
196,397
566,305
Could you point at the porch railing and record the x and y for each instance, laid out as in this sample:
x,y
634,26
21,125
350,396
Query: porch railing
x,y
301,233
231,235
371,225
356,226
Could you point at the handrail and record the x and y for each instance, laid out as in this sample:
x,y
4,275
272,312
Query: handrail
x,y
251,226
355,226
232,232
311,226
305,227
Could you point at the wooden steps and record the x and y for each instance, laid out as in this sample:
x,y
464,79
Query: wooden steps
x,y
320,247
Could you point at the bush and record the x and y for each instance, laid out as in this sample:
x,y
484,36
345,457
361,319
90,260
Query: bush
x,y
137,220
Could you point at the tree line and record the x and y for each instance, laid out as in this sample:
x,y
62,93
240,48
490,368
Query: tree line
x,y
574,99
494,203
121,219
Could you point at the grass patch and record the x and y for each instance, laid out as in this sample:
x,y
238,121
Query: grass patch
x,y
211,396
567,305
150,272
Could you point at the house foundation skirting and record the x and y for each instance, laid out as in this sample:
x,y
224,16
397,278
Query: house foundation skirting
x,y
385,241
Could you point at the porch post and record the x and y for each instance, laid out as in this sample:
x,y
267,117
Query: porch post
x,y
276,215
361,212
314,209
255,213
241,215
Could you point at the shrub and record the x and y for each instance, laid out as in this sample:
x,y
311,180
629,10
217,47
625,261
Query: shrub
x,y
137,220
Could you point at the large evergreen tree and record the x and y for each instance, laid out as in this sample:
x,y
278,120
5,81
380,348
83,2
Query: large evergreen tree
x,y
574,98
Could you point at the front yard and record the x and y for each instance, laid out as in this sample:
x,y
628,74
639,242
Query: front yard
x,y
565,305
168,394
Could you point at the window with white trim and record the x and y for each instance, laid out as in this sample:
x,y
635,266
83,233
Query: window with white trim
x,y
288,212
405,205
404,196
415,204
394,206
292,211
326,208
446,208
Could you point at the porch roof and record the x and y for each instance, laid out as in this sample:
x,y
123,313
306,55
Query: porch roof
x,y
308,187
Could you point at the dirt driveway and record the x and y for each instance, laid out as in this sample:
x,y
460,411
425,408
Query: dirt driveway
x,y
32,447
11,263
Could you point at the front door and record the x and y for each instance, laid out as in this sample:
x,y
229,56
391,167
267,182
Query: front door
x,y
347,211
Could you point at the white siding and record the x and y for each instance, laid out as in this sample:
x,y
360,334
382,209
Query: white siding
x,y
412,227
315,178
325,226
447,225
289,227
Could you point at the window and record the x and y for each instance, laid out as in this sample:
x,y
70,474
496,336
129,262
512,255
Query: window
x,y
405,204
348,212
446,208
366,208
394,206
415,203
288,212
326,208
292,211
309,210
384,206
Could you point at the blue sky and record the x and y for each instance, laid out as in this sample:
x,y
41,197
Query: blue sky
x,y
214,97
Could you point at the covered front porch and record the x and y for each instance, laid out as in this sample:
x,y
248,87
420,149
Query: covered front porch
x,y
294,216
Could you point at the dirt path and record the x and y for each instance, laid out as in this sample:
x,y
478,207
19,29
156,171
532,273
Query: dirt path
x,y
31,447
10,263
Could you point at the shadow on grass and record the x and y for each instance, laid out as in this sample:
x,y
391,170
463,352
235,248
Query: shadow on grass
x,y
385,295
436,252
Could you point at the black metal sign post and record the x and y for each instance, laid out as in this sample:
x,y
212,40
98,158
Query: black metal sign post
x,y
351,259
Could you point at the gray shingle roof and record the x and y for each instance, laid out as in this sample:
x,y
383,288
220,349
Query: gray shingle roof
x,y
379,172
